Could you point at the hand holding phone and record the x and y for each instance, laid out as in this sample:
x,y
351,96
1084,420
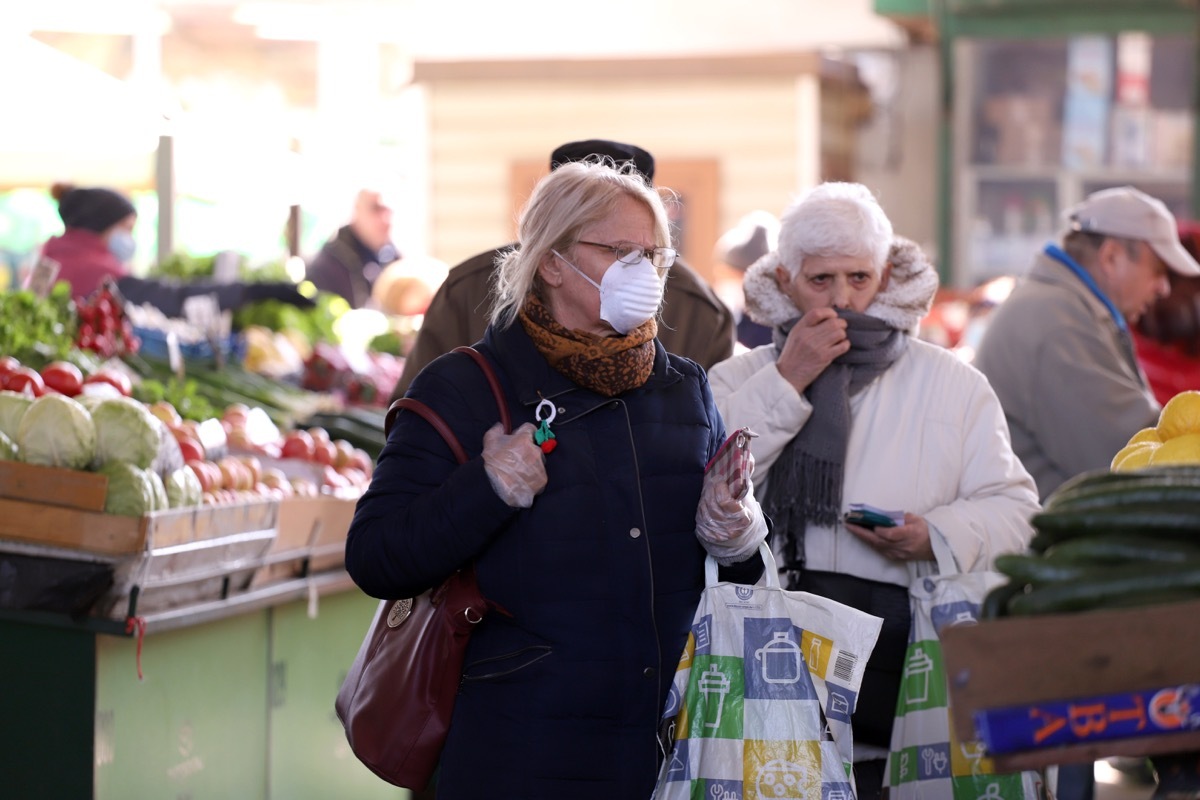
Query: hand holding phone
x,y
869,517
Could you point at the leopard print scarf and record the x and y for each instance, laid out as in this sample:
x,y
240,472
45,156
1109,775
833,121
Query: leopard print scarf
x,y
608,365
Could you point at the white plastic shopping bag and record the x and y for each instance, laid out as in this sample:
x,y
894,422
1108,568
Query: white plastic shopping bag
x,y
929,760
762,697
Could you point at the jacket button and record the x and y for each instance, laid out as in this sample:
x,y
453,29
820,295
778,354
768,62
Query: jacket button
x,y
648,672
634,533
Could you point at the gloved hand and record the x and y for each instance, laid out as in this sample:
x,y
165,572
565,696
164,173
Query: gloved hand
x,y
729,521
515,465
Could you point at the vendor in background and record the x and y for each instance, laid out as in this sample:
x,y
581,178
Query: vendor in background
x,y
351,261
98,241
1167,337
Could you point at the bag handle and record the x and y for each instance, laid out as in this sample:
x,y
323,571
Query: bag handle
x,y
770,569
435,419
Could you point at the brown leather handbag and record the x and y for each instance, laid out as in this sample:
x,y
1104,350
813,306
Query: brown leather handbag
x,y
398,696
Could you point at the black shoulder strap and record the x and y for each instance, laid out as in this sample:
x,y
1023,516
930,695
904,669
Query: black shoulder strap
x,y
435,419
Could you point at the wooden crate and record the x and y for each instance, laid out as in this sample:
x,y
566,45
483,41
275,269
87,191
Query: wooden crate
x,y
71,488
116,535
312,538
1023,661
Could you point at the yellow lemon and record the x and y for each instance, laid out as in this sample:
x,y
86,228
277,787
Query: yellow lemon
x,y
1181,415
1183,449
1133,456
1145,435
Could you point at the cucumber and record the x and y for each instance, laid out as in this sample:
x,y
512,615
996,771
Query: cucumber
x,y
1133,493
1037,570
1104,480
1173,520
995,603
1128,585
1122,549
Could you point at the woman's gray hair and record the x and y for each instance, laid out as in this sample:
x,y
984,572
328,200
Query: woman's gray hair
x,y
569,199
835,219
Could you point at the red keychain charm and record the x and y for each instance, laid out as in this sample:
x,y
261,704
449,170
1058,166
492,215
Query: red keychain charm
x,y
543,437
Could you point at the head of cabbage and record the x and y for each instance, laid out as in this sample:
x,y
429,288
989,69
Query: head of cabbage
x,y
12,407
130,491
183,488
56,431
8,448
125,431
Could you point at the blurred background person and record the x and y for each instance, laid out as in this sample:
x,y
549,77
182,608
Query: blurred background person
x,y
98,241
695,323
755,235
352,260
1167,337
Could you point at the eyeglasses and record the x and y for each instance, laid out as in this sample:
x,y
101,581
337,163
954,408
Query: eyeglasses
x,y
628,253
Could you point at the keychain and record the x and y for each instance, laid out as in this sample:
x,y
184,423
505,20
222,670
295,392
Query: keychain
x,y
543,437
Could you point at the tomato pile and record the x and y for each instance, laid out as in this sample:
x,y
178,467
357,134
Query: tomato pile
x,y
103,326
62,377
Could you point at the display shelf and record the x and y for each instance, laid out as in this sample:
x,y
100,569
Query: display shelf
x,y
1039,122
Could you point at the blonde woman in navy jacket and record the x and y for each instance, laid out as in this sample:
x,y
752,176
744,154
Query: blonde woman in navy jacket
x,y
597,548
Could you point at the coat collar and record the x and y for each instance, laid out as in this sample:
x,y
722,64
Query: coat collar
x,y
533,378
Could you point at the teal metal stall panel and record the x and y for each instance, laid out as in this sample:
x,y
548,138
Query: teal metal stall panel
x,y
196,726
309,756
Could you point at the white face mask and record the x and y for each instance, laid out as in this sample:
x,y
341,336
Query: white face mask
x,y
630,294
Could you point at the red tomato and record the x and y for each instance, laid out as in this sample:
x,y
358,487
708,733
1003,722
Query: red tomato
x,y
324,452
63,377
297,444
119,380
191,450
8,365
27,381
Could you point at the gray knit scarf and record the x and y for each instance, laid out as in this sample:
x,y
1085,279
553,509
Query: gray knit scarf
x,y
805,483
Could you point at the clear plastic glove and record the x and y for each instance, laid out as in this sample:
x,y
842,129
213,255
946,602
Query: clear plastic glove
x,y
729,520
515,465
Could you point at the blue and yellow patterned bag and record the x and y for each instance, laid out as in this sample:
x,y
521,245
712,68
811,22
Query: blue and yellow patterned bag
x,y
761,703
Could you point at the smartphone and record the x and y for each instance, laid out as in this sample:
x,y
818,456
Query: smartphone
x,y
868,519
731,463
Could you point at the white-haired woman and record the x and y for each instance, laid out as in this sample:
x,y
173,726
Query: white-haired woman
x,y
595,550
850,407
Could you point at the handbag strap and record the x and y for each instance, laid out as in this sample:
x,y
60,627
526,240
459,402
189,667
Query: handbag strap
x,y
435,419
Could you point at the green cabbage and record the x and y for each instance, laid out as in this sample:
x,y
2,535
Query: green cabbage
x,y
8,448
12,408
57,432
158,490
183,488
129,490
125,431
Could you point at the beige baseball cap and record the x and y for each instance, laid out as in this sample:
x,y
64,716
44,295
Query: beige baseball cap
x,y
1133,214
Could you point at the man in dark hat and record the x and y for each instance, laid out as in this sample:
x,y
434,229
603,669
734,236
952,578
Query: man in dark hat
x,y
696,324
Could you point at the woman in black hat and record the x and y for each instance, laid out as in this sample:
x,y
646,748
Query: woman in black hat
x,y
98,240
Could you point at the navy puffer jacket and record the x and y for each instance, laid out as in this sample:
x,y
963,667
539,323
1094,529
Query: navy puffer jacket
x,y
601,576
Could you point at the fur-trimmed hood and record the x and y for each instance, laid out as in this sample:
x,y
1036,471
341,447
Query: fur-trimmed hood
x,y
906,299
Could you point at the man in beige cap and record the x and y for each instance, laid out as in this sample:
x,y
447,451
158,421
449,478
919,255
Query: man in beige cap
x,y
1058,351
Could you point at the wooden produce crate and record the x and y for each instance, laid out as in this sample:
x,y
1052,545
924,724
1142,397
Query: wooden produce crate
x,y
1084,671
312,538
70,488
161,560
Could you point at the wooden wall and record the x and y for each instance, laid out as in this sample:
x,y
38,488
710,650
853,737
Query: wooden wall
x,y
761,130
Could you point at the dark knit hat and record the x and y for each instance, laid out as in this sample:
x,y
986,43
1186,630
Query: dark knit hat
x,y
619,152
95,210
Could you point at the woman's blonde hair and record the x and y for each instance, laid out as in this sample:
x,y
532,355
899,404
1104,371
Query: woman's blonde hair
x,y
563,203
